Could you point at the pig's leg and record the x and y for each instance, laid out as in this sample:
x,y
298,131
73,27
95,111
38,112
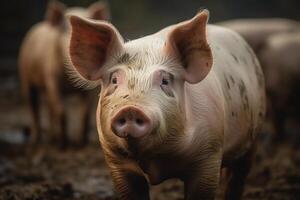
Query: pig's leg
x,y
129,184
33,104
237,174
204,179
276,112
57,115
279,120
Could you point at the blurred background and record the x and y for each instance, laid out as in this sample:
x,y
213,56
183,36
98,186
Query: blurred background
x,y
46,172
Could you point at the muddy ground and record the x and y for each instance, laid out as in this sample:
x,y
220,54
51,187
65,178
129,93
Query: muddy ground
x,y
45,172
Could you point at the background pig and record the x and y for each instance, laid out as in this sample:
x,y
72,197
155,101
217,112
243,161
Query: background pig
x,y
42,72
256,31
280,58
181,103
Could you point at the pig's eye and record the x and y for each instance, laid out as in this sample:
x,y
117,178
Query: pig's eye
x,y
164,81
114,80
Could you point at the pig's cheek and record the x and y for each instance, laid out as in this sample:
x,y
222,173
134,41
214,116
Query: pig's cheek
x,y
110,90
105,118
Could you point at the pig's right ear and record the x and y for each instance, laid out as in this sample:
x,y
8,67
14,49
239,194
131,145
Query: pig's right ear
x,y
91,45
188,42
55,12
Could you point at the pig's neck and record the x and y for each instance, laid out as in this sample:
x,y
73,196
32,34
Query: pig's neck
x,y
204,110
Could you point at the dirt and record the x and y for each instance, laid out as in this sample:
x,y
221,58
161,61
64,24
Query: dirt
x,y
46,172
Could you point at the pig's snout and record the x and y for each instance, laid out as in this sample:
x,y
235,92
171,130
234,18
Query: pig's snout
x,y
131,121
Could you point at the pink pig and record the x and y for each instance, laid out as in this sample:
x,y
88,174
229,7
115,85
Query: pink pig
x,y
42,70
182,103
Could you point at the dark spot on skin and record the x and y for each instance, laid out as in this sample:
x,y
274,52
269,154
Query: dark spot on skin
x,y
246,103
130,61
126,96
232,79
244,96
242,88
227,82
124,58
232,114
251,127
258,72
131,86
235,58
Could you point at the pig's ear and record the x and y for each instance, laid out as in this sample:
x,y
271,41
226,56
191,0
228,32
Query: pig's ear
x,y
188,42
99,11
55,12
91,45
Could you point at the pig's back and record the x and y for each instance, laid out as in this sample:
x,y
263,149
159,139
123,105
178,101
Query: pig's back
x,y
241,81
256,31
39,51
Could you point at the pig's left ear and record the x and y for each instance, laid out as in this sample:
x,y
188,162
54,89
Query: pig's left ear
x,y
187,41
99,11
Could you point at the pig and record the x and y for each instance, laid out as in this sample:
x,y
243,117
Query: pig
x,y
42,71
256,31
182,103
280,58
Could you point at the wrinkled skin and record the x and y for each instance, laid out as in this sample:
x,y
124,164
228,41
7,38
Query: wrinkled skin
x,y
42,71
201,89
280,58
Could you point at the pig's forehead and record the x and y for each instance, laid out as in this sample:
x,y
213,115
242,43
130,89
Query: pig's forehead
x,y
142,53
146,55
78,11
147,45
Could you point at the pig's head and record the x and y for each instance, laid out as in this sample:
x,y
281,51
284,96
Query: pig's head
x,y
57,11
142,81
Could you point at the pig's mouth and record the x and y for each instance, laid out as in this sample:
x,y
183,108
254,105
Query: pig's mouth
x,y
131,122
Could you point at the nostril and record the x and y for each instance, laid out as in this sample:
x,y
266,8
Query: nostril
x,y
121,121
139,121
